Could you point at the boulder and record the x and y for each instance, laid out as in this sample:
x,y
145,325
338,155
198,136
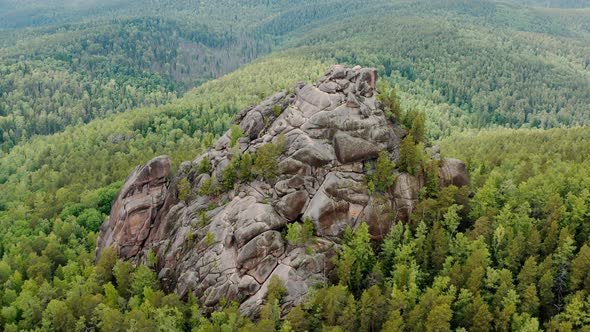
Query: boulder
x,y
350,149
291,205
267,243
379,215
405,193
453,172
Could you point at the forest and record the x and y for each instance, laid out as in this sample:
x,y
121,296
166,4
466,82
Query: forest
x,y
505,86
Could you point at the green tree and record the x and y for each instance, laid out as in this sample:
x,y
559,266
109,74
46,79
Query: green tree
x,y
246,163
204,166
271,311
307,230
580,270
109,319
122,271
530,301
143,278
410,156
184,190
266,164
91,219
105,265
294,234
482,318
296,318
372,309
349,317
236,132
356,260
332,301
388,98
394,322
230,174
58,317
384,176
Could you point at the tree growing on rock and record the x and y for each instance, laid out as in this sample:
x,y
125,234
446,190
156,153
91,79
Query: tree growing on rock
x,y
204,166
390,101
384,172
236,132
410,158
271,312
230,174
298,234
184,190
266,164
246,163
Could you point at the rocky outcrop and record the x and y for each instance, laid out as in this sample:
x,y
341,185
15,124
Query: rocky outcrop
x,y
227,245
136,208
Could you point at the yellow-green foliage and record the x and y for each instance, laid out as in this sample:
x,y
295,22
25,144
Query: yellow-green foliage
x,y
184,190
266,164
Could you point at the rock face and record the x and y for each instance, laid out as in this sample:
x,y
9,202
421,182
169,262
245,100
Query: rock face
x,y
136,208
227,245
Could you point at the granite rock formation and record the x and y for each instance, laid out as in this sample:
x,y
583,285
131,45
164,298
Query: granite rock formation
x,y
227,245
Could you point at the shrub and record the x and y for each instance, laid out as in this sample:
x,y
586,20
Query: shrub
x,y
209,239
204,166
236,133
184,190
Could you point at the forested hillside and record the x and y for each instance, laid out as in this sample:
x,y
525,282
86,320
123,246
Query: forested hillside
x,y
484,63
89,90
489,74
83,72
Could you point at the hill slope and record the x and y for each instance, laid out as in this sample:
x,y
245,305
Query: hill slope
x,y
512,257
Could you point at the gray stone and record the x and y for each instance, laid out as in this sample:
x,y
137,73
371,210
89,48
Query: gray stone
x,y
350,149
453,172
406,190
291,205
267,243
315,155
379,215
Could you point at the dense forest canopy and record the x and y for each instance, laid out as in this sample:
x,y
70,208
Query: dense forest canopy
x,y
91,89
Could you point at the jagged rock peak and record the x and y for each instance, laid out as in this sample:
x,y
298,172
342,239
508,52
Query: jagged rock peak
x,y
224,242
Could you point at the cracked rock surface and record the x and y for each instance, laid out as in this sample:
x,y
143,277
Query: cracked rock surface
x,y
226,246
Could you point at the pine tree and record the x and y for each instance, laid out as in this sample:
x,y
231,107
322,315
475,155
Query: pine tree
x,y
184,190
348,320
580,270
528,274
245,173
372,309
418,131
410,156
384,172
204,166
236,133
266,164
530,301
388,98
